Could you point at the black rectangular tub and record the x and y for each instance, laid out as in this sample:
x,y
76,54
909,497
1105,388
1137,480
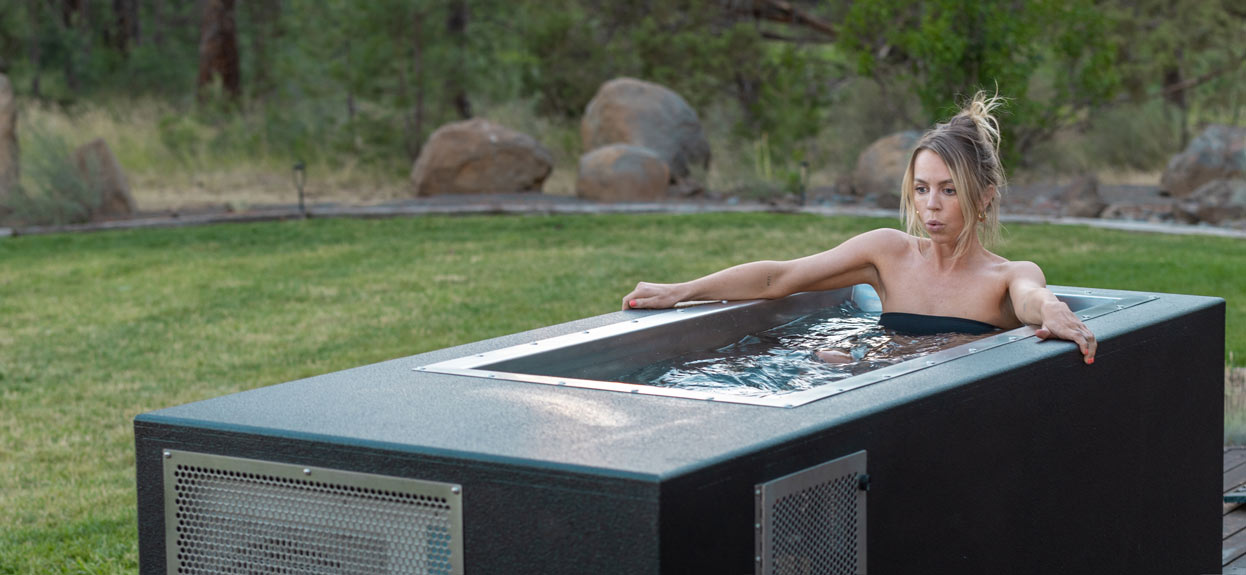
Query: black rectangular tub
x,y
520,455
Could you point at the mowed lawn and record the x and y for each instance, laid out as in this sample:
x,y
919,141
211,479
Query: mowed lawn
x,y
96,328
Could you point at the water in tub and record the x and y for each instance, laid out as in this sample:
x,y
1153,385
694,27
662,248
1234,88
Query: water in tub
x,y
816,349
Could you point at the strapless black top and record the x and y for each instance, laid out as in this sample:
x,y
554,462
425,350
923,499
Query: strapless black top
x,y
917,324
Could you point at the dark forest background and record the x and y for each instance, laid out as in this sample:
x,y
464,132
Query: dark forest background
x,y
198,87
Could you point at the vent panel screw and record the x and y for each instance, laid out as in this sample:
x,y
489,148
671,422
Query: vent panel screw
x,y
306,471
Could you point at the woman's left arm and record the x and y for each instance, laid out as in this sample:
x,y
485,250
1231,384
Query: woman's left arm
x,y
1034,304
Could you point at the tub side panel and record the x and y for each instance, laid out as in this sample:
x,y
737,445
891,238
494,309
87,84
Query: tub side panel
x,y
515,519
1047,467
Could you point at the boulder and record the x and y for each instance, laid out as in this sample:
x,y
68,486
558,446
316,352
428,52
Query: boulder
x,y
479,157
1217,153
8,139
1080,198
1214,202
105,179
630,111
881,166
622,173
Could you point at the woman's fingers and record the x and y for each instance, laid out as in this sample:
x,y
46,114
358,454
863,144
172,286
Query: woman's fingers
x,y
647,295
1076,332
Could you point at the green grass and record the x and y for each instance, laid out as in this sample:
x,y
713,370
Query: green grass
x,y
98,328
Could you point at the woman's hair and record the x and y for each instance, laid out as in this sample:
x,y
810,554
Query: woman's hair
x,y
969,145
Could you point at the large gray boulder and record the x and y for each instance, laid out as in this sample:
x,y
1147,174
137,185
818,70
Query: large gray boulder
x,y
620,172
1214,202
639,113
8,139
479,157
105,180
880,168
1217,153
1080,198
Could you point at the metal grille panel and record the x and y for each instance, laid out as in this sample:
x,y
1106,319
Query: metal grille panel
x,y
812,522
226,515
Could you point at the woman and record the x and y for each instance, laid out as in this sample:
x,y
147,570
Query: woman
x,y
938,277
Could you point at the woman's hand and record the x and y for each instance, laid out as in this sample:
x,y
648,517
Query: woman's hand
x,y
1061,323
652,296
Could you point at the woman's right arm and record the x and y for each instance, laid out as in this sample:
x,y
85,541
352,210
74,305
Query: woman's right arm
x,y
849,263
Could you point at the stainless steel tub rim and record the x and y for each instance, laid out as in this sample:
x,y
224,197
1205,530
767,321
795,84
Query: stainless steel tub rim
x,y
498,364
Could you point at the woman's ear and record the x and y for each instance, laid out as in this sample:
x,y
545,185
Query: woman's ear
x,y
988,196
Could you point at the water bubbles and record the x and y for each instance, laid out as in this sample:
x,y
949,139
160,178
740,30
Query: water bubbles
x,y
784,359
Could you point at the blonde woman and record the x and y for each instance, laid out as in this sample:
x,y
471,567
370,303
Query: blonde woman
x,y
938,277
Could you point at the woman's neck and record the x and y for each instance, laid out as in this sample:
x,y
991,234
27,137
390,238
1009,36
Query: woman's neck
x,y
943,256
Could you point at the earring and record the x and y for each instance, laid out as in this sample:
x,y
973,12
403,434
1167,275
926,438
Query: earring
x,y
981,216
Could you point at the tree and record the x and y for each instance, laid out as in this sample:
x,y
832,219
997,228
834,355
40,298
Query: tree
x,y
1180,52
1053,58
456,29
126,30
218,49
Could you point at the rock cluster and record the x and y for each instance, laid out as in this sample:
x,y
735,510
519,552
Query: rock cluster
x,y
1219,153
1208,179
1080,198
639,115
622,172
880,169
640,141
480,157
102,173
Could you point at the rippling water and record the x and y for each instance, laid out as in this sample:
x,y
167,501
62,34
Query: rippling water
x,y
783,359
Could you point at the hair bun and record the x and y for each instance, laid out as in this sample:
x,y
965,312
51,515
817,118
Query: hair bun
x,y
981,111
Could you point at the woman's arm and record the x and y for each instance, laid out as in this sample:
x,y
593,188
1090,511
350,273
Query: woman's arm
x,y
849,263
1034,304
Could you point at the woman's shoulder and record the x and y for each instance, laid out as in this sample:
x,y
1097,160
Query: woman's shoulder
x,y
1019,268
889,238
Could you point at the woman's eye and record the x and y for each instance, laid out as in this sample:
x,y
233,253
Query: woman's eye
x,y
949,191
921,189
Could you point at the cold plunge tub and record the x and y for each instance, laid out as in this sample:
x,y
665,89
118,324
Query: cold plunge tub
x,y
518,455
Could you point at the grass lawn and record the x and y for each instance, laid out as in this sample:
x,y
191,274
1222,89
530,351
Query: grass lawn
x,y
97,328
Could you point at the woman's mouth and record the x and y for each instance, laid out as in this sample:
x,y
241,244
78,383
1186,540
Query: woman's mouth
x,y
935,226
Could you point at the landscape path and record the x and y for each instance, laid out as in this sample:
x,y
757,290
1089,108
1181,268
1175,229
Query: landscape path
x,y
552,204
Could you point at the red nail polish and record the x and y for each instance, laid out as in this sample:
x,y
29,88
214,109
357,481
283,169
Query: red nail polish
x,y
631,303
1090,361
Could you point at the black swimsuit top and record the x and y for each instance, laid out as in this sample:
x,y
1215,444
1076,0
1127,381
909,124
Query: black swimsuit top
x,y
917,324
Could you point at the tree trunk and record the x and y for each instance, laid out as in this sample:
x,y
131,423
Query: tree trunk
x,y
264,15
157,23
73,16
126,25
1173,78
415,122
350,88
456,26
36,62
218,49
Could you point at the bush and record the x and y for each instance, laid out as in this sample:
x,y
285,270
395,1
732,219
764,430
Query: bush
x,y
51,190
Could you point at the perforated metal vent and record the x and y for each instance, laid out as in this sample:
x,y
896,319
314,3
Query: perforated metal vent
x,y
812,522
244,516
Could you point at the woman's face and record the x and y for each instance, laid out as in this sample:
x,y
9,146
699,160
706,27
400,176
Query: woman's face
x,y
935,198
